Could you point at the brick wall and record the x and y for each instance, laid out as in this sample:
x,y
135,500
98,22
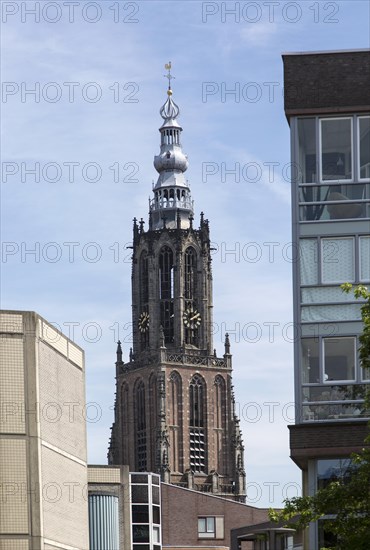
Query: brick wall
x,y
326,440
330,81
181,508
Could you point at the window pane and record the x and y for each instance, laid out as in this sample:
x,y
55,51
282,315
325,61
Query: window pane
x,y
324,411
156,535
139,493
365,373
336,149
140,514
329,470
331,313
337,262
156,515
339,201
334,393
339,359
201,525
326,537
155,495
310,361
365,258
316,196
324,294
140,533
139,478
210,525
364,123
308,261
307,150
155,480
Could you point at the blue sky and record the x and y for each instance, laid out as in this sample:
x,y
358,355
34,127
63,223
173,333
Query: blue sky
x,y
99,86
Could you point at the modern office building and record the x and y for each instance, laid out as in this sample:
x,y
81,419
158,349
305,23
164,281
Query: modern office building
x,y
43,471
327,104
124,509
174,407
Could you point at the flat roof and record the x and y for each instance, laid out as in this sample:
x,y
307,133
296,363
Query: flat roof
x,y
326,52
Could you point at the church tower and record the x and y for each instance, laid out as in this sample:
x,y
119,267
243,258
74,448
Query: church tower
x,y
174,406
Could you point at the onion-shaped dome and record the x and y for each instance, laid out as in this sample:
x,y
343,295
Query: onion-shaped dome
x,y
169,110
171,160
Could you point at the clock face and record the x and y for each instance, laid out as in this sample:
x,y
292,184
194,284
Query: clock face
x,y
144,321
191,318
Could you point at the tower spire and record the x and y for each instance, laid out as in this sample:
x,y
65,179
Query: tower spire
x,y
168,66
172,197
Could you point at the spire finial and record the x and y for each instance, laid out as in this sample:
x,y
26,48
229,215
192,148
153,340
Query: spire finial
x,y
119,352
227,344
168,67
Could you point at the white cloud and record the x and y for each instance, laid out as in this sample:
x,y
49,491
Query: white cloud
x,y
259,33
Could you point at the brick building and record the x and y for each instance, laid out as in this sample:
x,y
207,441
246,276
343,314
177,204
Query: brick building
x,y
327,104
201,520
174,408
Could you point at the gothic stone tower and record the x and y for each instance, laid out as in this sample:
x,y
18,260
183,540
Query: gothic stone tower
x,y
174,407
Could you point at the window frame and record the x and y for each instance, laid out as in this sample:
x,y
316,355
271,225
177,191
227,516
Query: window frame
x,y
302,183
353,260
358,159
323,356
360,273
208,533
345,180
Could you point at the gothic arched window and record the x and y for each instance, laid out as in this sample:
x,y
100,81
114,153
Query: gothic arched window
x,y
153,407
124,421
144,279
144,299
141,445
219,402
198,446
219,421
175,388
190,279
190,292
166,292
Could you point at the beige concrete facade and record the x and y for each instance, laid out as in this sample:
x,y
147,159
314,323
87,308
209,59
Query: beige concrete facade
x,y
43,470
114,480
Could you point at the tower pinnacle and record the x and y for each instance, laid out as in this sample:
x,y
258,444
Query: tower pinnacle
x,y
171,192
168,66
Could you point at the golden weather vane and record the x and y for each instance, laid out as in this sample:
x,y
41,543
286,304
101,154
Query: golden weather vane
x,y
169,76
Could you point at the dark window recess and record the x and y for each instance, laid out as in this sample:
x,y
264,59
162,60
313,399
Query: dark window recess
x,y
156,515
144,295
155,495
190,274
197,431
144,279
190,293
141,547
140,533
155,480
166,292
167,318
197,402
141,450
139,478
140,514
139,493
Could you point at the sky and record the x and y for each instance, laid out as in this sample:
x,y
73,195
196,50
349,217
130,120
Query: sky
x,y
82,85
